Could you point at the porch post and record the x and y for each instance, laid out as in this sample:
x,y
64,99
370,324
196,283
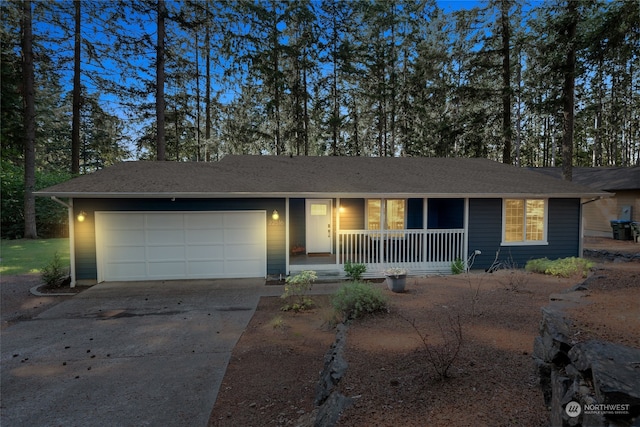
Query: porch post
x,y
425,226
337,230
383,222
466,232
286,235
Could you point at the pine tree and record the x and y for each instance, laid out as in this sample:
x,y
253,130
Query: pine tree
x,y
28,78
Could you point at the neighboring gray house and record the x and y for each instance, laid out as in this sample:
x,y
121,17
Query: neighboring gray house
x,y
624,204
259,216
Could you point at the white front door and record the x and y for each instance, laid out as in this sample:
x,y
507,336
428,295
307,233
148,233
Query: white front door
x,y
319,225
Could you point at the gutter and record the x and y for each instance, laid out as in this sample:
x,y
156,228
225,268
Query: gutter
x,y
595,199
319,194
72,245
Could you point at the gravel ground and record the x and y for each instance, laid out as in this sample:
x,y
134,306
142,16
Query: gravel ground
x,y
392,376
18,304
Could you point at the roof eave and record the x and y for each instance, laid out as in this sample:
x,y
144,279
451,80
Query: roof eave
x,y
240,195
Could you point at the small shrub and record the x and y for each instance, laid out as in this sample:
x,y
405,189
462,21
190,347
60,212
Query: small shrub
x,y
277,322
442,356
357,299
295,290
457,266
54,273
563,267
354,271
514,278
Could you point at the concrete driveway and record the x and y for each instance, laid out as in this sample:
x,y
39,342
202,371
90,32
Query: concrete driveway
x,y
125,354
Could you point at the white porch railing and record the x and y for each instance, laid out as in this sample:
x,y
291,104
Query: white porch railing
x,y
416,250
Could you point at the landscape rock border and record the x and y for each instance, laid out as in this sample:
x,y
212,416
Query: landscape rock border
x,y
593,374
615,256
329,402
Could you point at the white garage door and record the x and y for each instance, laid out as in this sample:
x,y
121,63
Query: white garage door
x,y
180,245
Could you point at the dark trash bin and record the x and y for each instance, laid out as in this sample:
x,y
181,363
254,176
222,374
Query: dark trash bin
x,y
621,229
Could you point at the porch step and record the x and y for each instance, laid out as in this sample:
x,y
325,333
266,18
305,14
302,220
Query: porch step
x,y
329,276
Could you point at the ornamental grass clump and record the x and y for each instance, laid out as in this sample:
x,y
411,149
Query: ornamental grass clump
x,y
563,267
295,290
357,299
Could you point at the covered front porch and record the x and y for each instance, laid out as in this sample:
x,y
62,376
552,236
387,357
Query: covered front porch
x,y
423,236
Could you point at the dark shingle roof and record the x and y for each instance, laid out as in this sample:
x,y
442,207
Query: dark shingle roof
x,y
601,178
238,176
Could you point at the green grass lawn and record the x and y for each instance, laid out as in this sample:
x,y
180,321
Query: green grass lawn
x,y
29,256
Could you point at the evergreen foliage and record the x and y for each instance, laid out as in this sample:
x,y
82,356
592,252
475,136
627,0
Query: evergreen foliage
x,y
357,299
383,78
564,267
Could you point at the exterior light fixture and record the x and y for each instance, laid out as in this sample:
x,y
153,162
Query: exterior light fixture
x,y
341,209
275,215
82,216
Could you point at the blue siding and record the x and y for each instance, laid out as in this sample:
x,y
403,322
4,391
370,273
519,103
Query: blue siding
x,y
415,208
297,222
445,213
85,241
485,233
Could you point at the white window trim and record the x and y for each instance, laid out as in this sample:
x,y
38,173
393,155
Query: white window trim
x,y
544,241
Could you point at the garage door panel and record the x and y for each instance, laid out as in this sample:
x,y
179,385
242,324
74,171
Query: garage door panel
x,y
205,268
125,223
240,267
159,237
243,251
126,253
127,271
175,245
167,269
203,221
204,236
242,236
205,252
164,220
166,253
126,237
238,219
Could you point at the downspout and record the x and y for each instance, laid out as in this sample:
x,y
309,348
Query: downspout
x,y
581,242
72,246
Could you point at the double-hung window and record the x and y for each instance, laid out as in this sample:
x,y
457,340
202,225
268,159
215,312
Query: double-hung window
x,y
394,214
524,221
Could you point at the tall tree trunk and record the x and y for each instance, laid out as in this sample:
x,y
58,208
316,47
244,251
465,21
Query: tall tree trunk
x,y
75,120
160,105
568,92
30,231
506,84
207,101
198,156
306,110
519,112
335,112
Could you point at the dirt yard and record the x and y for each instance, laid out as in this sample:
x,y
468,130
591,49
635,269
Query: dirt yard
x,y
275,367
